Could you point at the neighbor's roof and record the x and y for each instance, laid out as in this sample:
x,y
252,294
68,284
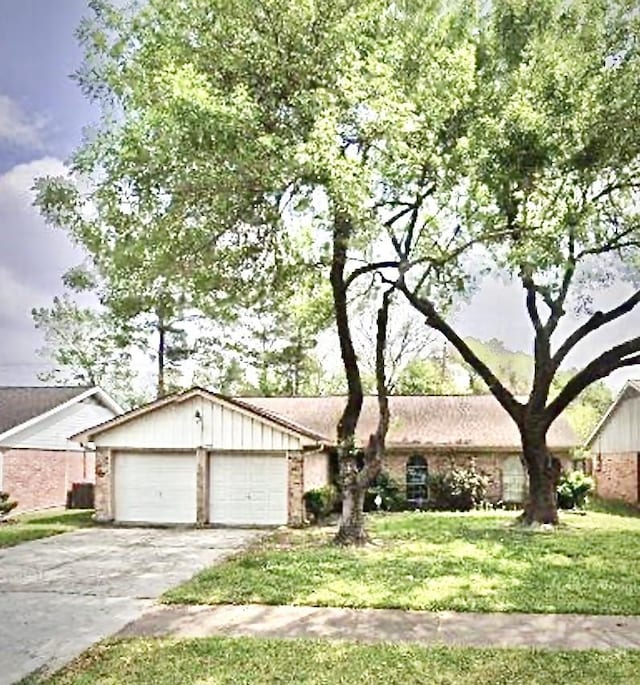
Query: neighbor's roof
x,y
475,421
22,406
19,404
630,388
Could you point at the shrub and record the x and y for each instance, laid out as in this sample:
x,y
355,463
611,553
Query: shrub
x,y
391,494
320,502
460,489
573,489
6,505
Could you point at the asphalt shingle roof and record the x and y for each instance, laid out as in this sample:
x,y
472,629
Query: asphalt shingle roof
x,y
19,404
426,420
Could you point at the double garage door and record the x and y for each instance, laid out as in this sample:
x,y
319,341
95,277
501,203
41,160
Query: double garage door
x,y
162,488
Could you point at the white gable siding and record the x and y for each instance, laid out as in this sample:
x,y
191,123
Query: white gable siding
x,y
621,431
53,432
175,426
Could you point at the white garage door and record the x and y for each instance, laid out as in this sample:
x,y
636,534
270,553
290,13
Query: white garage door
x,y
155,488
248,490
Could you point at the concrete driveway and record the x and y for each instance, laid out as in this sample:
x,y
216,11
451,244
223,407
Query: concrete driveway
x,y
60,595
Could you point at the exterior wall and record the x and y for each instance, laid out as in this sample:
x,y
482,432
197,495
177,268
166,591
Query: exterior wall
x,y
296,488
621,431
440,462
104,489
198,422
53,433
616,476
316,470
38,479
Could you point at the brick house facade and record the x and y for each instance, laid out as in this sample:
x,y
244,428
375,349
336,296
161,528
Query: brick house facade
x,y
614,448
443,430
38,462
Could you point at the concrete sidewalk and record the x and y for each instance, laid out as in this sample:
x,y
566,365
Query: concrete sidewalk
x,y
544,631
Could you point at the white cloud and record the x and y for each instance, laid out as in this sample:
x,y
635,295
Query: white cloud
x,y
17,127
33,256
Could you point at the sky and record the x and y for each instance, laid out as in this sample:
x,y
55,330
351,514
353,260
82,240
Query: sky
x,y
42,115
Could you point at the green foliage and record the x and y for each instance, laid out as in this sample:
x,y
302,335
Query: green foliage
x,y
457,489
86,347
573,489
391,494
425,377
7,505
320,502
514,369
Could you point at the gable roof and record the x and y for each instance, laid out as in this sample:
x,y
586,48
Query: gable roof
x,y
455,421
282,422
631,387
22,406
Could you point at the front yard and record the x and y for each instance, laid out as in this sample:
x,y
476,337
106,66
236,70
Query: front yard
x,y
27,527
440,561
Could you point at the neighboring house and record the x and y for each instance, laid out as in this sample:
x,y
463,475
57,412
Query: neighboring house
x,y
615,447
199,457
38,463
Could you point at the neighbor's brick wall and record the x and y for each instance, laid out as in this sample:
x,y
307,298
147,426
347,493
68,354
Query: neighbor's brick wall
x,y
616,476
39,479
296,489
316,470
103,493
440,462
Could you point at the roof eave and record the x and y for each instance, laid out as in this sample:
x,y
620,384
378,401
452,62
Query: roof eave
x,y
108,401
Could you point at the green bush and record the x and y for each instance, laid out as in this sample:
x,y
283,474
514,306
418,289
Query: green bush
x,y
460,489
320,502
573,489
391,494
6,505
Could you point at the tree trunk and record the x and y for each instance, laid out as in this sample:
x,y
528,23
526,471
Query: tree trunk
x,y
161,355
351,530
544,472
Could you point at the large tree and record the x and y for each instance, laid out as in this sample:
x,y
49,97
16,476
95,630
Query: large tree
x,y
549,161
227,127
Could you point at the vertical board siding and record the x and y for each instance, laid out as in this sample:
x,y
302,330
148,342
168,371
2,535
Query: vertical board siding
x,y
621,432
53,432
176,426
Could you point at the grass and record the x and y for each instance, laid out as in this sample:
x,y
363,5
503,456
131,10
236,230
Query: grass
x,y
28,527
217,661
437,561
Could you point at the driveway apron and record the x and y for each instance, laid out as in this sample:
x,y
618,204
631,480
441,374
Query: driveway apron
x,y
61,594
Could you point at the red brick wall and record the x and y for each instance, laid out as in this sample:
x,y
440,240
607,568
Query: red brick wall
x,y
38,479
617,476
439,462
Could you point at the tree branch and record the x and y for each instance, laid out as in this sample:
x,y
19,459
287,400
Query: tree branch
x,y
596,321
368,268
625,354
514,408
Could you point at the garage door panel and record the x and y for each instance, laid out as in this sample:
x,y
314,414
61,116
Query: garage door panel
x,y
155,488
248,490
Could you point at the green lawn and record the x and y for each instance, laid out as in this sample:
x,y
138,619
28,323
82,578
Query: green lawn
x,y
215,661
43,524
440,561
